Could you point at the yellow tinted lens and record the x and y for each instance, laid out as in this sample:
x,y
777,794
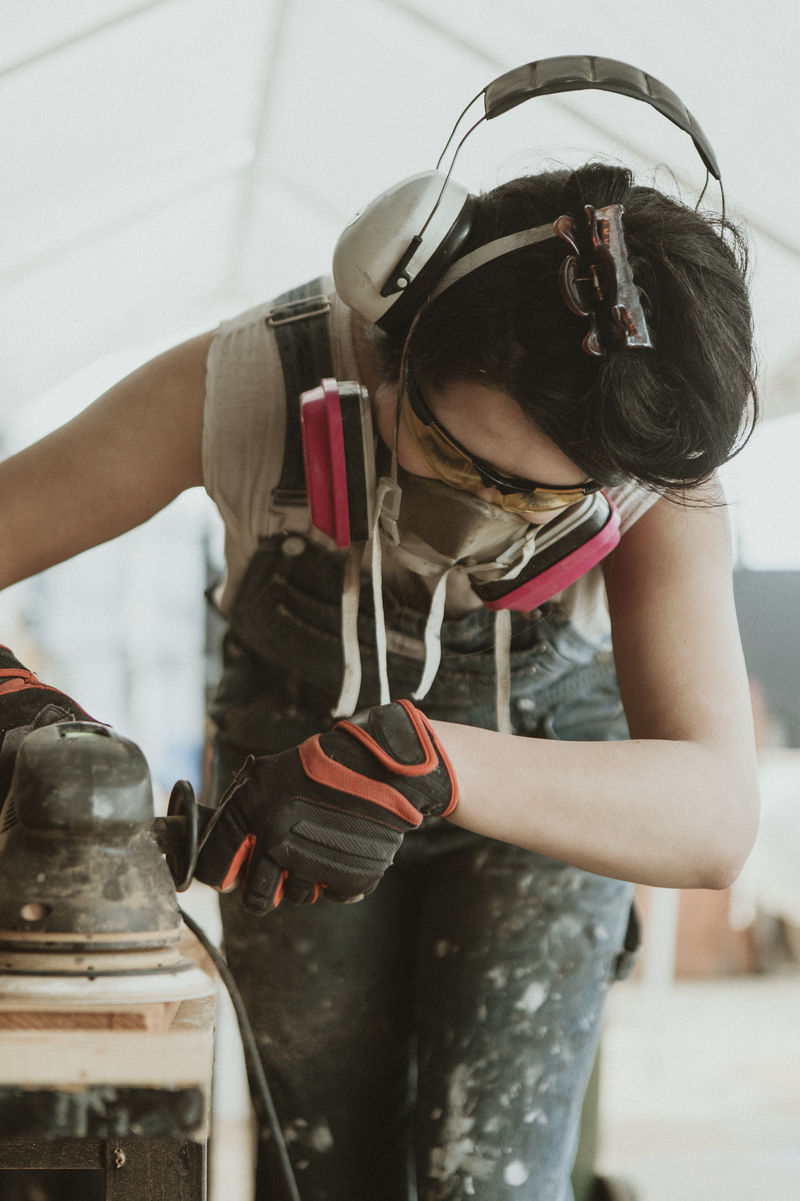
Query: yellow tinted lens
x,y
449,463
455,468
538,502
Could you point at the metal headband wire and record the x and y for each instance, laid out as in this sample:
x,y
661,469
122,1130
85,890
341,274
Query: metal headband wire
x,y
703,192
446,180
449,172
452,134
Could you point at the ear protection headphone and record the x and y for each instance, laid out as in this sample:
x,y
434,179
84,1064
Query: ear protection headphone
x,y
396,250
396,253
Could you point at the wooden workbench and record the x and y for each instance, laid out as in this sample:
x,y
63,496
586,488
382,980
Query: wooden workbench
x,y
111,1075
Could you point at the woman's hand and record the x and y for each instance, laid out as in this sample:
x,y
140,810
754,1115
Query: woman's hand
x,y
330,814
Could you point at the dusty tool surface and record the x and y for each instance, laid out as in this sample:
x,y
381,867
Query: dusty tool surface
x,y
107,1002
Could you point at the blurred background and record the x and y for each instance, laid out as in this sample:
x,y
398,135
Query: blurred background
x,y
169,163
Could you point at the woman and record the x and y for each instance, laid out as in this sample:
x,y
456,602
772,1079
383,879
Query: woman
x,y
457,1008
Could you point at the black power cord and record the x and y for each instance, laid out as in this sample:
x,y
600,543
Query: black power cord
x,y
262,1097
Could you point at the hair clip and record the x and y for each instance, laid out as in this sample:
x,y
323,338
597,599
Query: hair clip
x,y
607,281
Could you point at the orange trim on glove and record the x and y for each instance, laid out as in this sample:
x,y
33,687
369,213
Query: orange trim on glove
x,y
277,896
325,771
429,742
423,732
18,679
239,860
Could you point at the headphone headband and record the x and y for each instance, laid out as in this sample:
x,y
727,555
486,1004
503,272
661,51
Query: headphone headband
x,y
492,250
393,254
575,73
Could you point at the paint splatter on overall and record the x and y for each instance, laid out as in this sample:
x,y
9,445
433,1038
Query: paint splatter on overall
x,y
438,1036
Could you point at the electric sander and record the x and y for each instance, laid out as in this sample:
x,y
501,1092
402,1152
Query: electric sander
x,y
89,920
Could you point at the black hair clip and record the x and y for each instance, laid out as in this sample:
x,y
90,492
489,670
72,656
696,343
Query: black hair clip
x,y
607,281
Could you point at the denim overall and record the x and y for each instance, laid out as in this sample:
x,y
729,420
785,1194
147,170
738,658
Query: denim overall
x,y
443,1029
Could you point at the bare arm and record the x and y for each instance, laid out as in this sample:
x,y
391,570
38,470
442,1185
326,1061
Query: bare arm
x,y
108,470
676,806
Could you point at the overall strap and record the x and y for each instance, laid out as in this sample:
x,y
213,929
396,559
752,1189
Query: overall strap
x,y
299,320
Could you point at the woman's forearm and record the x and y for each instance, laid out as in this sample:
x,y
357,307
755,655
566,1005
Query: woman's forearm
x,y
672,814
107,470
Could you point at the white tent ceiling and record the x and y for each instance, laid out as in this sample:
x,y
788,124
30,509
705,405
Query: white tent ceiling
x,y
166,163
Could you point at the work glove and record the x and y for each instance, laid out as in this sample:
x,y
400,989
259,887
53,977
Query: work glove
x,y
25,705
330,814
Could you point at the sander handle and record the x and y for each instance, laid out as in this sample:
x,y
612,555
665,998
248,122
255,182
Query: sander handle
x,y
178,834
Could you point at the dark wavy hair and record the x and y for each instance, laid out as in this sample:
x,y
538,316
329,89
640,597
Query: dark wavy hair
x,y
666,417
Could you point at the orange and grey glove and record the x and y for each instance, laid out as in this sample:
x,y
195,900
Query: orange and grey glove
x,y
330,814
26,704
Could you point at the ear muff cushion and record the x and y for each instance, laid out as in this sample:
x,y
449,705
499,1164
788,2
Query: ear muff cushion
x,y
408,302
563,560
385,236
339,459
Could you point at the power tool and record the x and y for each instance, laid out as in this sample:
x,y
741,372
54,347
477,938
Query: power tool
x,y
89,920
88,912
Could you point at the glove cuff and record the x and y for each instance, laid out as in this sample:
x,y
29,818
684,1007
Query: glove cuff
x,y
402,741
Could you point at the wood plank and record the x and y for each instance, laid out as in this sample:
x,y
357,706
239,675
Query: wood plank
x,y
158,1016
178,1056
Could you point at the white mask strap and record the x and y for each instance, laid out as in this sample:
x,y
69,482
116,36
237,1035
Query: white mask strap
x,y
502,668
433,637
388,497
351,590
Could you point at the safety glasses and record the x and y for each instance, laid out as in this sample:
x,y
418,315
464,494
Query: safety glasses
x,y
459,468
